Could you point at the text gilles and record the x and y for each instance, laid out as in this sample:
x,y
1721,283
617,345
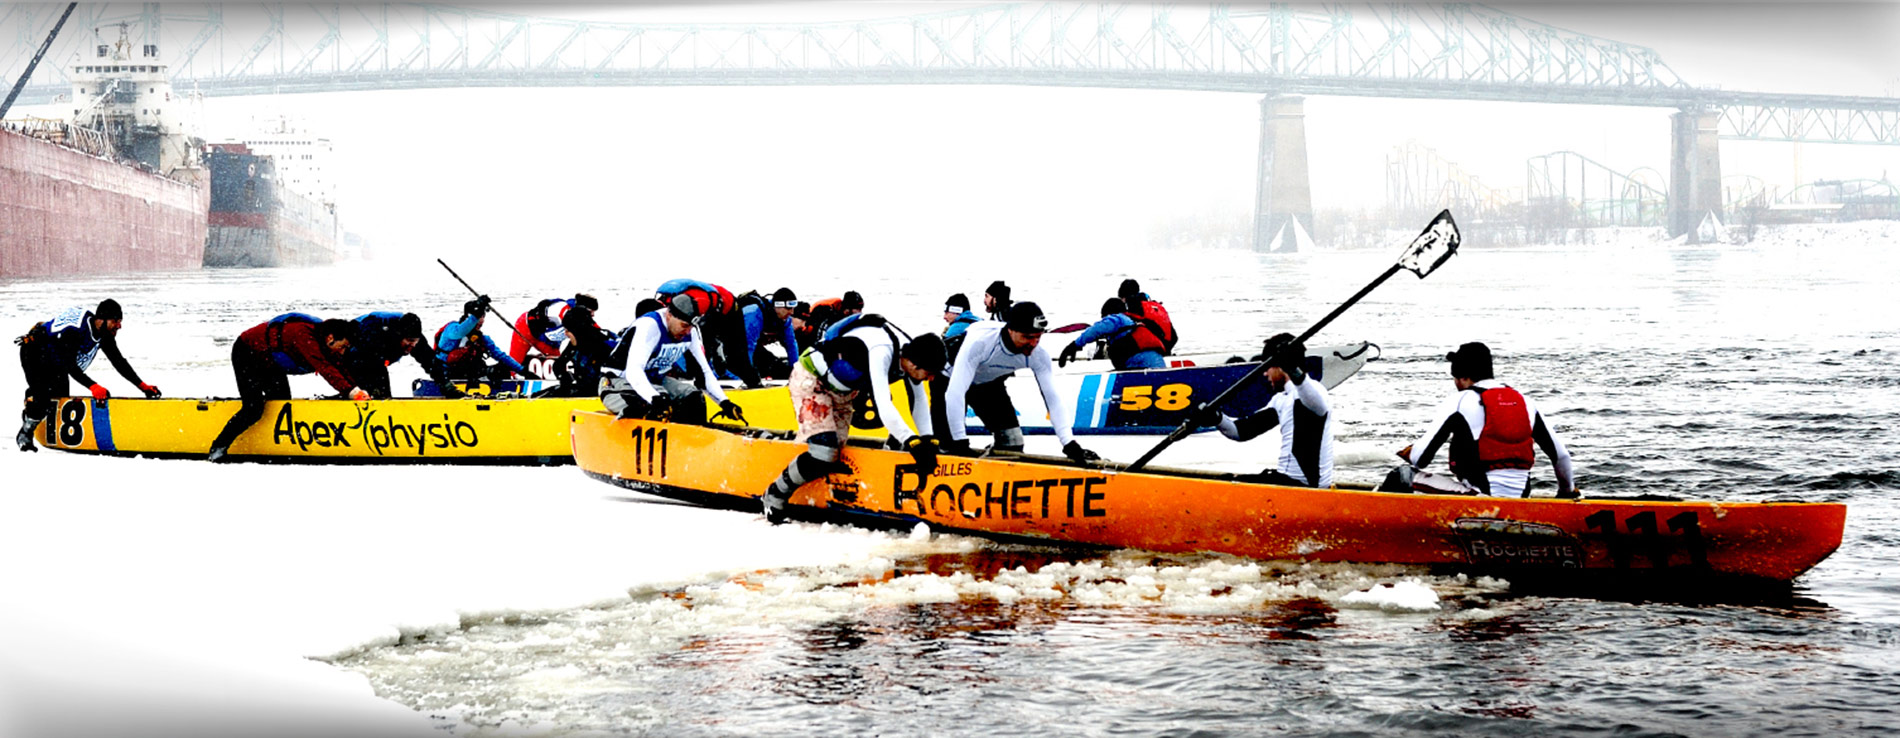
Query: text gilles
x,y
1011,499
378,437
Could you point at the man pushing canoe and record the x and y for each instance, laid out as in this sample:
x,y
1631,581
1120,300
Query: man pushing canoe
x,y
860,353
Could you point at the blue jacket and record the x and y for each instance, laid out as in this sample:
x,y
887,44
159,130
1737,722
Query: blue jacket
x,y
456,332
961,324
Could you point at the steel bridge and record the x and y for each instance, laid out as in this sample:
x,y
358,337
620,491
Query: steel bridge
x,y
1282,52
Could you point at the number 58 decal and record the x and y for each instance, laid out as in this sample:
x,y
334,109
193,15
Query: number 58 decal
x,y
1169,397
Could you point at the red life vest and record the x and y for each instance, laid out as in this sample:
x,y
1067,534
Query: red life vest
x,y
1155,330
1505,442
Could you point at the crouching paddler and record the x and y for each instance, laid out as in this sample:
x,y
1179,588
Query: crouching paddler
x,y
638,380
860,353
63,347
264,357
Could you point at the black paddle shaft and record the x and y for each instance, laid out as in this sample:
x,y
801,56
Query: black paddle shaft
x,y
491,308
1184,429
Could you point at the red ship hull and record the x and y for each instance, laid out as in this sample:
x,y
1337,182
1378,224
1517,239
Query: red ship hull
x,y
64,212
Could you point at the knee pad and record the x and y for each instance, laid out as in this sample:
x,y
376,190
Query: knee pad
x,y
825,446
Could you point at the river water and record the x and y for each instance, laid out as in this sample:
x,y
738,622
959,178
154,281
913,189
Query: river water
x,y
1751,372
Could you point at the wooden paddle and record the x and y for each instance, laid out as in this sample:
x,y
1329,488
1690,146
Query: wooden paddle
x,y
1433,246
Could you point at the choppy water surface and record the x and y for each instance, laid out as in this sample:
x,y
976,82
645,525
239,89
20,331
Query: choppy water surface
x,y
1756,372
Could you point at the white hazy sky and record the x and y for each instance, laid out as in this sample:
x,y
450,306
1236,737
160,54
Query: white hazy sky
x,y
995,169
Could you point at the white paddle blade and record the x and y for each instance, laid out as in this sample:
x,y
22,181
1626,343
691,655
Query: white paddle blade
x,y
1432,247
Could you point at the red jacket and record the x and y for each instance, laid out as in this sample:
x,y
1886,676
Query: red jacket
x,y
297,348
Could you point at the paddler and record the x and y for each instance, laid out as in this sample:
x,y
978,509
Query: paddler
x,y
861,353
64,347
1491,428
264,356
996,299
1300,408
769,321
464,349
721,327
957,319
638,380
992,351
543,327
1134,342
383,338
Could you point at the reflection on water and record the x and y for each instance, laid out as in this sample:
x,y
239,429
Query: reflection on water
x,y
1004,640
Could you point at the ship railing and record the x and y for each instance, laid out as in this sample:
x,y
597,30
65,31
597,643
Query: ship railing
x,y
65,134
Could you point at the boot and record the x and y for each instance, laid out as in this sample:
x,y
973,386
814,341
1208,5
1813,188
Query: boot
x,y
774,506
25,438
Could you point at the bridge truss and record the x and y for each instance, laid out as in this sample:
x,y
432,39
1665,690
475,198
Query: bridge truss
x,y
1462,52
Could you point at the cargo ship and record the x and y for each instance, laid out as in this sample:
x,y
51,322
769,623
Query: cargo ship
x,y
257,220
119,188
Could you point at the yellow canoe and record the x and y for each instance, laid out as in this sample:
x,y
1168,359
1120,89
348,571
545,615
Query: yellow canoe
x,y
475,430
1045,500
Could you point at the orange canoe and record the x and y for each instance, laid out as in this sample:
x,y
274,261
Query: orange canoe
x,y
1047,500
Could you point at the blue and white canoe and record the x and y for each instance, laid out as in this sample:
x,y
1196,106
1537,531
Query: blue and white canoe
x,y
1156,401
1132,402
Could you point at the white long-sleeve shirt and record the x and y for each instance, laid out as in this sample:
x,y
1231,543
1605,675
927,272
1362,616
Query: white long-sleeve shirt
x,y
1461,420
1304,416
984,358
655,351
882,357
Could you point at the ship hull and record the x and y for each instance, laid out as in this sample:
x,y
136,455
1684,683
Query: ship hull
x,y
255,222
64,212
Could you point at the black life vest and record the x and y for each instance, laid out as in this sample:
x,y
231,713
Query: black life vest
x,y
848,360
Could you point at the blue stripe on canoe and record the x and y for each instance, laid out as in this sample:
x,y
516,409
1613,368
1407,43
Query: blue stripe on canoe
x,y
102,427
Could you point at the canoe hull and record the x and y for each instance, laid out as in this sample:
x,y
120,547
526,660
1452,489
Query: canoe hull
x,y
1040,501
322,431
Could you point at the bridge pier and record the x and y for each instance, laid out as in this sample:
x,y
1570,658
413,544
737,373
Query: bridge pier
x,y
1695,172
1283,203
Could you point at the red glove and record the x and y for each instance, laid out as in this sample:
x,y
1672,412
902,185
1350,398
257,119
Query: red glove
x,y
150,390
99,392
357,394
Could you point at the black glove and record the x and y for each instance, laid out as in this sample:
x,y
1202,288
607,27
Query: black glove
x,y
1068,354
1077,454
923,450
1205,415
476,306
957,447
730,409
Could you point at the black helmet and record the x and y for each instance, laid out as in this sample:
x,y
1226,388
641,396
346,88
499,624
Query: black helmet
x,y
958,301
587,301
784,298
1112,306
851,301
684,307
1025,317
1471,361
1129,287
998,290
109,310
927,352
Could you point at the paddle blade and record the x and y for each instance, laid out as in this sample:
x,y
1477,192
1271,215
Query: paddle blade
x,y
1070,328
1433,246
